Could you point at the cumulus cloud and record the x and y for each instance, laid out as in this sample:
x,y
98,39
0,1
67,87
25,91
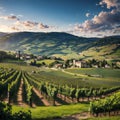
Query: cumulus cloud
x,y
13,28
87,14
110,3
25,25
104,21
11,17
14,23
6,28
42,26
31,24
100,22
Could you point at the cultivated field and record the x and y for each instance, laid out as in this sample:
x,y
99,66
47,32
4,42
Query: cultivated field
x,y
54,93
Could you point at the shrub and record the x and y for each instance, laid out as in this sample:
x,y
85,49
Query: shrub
x,y
6,113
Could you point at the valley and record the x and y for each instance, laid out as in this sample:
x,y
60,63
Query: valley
x,y
52,90
58,76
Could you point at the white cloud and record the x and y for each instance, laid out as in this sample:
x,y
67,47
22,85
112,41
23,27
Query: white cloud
x,y
101,22
42,26
87,14
11,17
13,28
31,24
6,28
110,3
104,21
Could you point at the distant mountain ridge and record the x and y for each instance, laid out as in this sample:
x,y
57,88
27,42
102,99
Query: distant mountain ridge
x,y
2,34
58,44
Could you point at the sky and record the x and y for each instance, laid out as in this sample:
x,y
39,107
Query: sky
x,y
87,18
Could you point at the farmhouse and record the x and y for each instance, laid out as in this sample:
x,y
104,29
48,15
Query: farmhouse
x,y
77,63
80,64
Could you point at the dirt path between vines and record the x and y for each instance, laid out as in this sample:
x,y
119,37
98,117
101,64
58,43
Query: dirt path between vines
x,y
66,99
79,116
46,103
19,95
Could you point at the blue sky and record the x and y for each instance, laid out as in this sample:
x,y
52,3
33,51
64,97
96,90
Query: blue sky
x,y
73,16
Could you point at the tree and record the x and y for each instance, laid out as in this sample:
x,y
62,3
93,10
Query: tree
x,y
67,63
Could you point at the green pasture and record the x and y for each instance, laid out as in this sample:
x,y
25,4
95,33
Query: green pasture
x,y
40,113
51,112
47,62
104,73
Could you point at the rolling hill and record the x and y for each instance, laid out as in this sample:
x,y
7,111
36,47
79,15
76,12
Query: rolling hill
x,y
2,34
62,45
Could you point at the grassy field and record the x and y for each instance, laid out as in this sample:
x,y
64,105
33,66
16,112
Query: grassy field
x,y
40,113
80,78
49,113
101,53
97,76
46,61
105,73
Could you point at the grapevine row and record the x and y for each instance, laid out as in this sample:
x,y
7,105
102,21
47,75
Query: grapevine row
x,y
28,90
71,91
4,84
45,88
14,86
108,104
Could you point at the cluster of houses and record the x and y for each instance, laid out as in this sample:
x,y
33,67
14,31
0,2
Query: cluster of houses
x,y
80,64
85,64
74,63
65,64
24,56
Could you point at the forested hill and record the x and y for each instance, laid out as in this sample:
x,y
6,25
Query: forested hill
x,y
59,44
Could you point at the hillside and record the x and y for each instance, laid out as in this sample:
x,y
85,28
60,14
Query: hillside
x,y
62,44
104,48
2,34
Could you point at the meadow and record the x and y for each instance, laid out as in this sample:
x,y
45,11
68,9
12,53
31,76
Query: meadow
x,y
40,113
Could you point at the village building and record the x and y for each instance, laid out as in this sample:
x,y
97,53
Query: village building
x,y
80,64
77,63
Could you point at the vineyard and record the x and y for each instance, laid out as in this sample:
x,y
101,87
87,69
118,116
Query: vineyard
x,y
27,88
